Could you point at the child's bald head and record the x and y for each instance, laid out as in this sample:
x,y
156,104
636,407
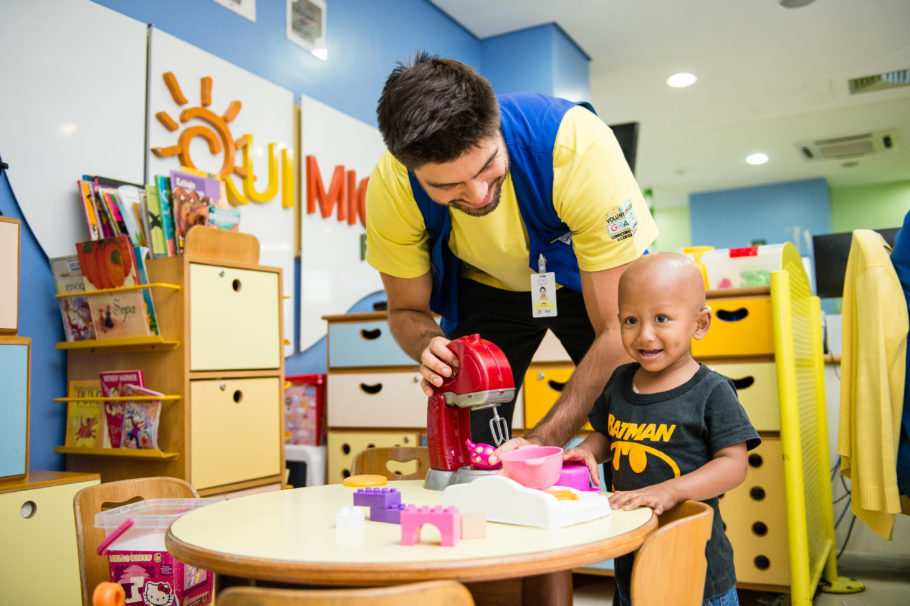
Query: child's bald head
x,y
664,272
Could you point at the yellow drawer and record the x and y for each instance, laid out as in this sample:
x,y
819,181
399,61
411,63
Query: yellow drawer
x,y
40,561
755,514
739,327
342,446
381,399
756,385
236,433
542,386
234,318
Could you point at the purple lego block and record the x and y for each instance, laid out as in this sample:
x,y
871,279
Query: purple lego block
x,y
390,515
379,497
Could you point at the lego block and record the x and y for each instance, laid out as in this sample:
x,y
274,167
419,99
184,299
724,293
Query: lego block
x,y
446,519
390,514
380,497
473,526
349,517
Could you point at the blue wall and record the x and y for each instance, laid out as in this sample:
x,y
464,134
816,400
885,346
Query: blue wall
x,y
365,39
737,217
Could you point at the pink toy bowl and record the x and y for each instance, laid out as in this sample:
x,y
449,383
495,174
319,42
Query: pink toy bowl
x,y
533,466
575,475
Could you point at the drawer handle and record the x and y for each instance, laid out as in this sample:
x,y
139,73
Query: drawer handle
x,y
732,316
28,509
556,385
236,285
743,383
371,335
371,389
238,396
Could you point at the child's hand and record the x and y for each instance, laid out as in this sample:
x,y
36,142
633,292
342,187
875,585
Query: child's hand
x,y
585,456
658,497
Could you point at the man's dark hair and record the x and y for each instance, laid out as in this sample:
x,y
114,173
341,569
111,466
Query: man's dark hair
x,y
434,110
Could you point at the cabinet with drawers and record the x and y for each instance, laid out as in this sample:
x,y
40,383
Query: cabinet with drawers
x,y
40,561
220,359
372,389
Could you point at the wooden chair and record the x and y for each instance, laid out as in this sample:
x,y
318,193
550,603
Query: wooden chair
x,y
670,565
381,460
437,593
93,569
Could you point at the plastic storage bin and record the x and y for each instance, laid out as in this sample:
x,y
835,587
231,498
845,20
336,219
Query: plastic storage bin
x,y
741,267
304,409
139,561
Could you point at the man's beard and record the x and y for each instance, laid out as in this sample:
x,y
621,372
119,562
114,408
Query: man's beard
x,y
479,211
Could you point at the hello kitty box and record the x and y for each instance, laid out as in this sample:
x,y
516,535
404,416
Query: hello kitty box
x,y
139,561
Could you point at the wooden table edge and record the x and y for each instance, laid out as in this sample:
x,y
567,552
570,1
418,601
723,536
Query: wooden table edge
x,y
475,570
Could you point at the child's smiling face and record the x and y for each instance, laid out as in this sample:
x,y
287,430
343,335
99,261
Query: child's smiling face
x,y
661,309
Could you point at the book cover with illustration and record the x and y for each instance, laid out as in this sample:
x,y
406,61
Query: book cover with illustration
x,y
191,196
113,384
85,426
92,222
110,264
140,418
140,253
163,183
154,222
74,311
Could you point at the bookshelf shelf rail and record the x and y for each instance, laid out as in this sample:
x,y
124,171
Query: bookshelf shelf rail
x,y
130,453
120,399
126,343
100,291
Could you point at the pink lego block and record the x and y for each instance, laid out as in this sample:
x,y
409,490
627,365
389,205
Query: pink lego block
x,y
446,519
380,497
390,515
473,526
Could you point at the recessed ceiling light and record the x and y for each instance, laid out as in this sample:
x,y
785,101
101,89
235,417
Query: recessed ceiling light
x,y
756,159
681,80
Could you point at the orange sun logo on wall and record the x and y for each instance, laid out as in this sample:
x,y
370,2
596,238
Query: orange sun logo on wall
x,y
217,135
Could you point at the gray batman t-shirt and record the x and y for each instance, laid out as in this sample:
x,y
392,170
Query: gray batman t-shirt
x,y
659,436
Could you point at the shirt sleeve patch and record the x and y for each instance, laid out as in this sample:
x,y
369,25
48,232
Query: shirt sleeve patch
x,y
622,222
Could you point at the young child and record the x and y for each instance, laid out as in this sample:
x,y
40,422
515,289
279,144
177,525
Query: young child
x,y
672,428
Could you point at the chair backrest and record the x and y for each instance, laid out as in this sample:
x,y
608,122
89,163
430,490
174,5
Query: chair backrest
x,y
670,565
382,461
93,569
437,593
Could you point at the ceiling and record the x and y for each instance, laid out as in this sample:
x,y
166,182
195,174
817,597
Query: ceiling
x,y
769,79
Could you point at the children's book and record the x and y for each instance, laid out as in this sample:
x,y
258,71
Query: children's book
x,y
127,196
85,426
154,222
192,195
110,264
113,384
88,210
140,419
140,254
102,215
167,213
109,197
224,218
74,311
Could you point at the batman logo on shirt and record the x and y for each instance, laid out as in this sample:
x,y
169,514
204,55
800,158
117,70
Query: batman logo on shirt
x,y
637,455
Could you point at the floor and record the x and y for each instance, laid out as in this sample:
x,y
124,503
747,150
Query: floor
x,y
887,582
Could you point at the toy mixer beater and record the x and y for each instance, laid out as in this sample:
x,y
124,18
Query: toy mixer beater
x,y
483,380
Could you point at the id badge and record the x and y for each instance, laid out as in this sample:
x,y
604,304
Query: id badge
x,y
543,295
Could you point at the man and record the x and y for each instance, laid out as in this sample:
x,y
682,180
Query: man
x,y
477,199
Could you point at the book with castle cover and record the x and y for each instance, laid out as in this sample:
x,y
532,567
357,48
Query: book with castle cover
x,y
74,311
113,384
85,426
111,264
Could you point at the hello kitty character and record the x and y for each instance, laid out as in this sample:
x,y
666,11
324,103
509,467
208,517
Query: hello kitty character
x,y
158,594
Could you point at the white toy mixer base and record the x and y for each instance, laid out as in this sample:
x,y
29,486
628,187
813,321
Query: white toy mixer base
x,y
501,499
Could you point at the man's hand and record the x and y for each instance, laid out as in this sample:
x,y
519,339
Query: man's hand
x,y
437,363
513,444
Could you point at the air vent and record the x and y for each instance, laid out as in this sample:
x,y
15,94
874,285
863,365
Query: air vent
x,y
875,82
848,147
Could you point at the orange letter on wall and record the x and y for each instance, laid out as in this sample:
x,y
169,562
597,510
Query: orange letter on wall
x,y
315,190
